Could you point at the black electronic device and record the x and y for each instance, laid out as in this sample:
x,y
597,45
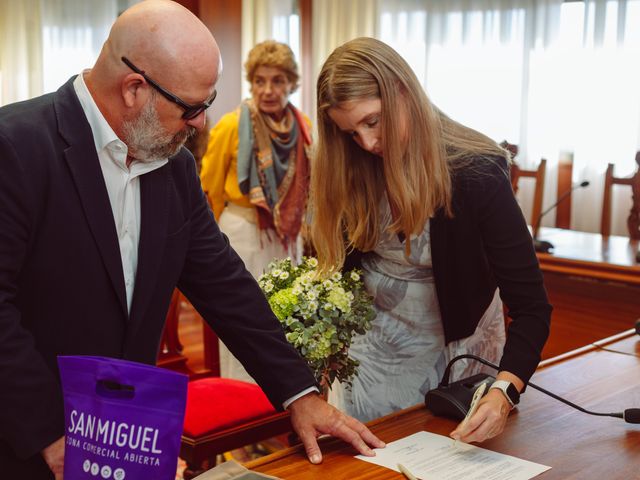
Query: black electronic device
x,y
544,245
453,400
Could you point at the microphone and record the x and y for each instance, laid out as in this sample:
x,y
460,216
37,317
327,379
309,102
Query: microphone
x,y
453,400
543,245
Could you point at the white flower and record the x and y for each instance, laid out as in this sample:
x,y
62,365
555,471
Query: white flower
x,y
284,275
329,306
296,290
313,306
312,262
336,277
305,280
328,284
276,272
312,295
354,276
268,286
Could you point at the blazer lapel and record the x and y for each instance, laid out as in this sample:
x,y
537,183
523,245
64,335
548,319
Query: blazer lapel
x,y
85,170
154,211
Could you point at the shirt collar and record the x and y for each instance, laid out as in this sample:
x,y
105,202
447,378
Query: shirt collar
x,y
104,137
103,134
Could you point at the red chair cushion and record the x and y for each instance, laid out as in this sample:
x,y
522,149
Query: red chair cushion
x,y
217,403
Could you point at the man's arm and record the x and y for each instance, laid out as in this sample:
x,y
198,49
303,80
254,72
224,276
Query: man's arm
x,y
217,283
228,297
31,409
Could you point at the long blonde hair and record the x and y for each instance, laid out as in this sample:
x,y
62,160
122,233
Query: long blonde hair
x,y
347,183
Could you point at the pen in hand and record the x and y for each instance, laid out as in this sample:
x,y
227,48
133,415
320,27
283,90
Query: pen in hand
x,y
406,472
477,395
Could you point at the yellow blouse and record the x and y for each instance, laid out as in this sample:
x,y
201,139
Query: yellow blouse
x,y
219,174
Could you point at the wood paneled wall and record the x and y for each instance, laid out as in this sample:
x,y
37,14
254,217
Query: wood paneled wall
x,y
224,20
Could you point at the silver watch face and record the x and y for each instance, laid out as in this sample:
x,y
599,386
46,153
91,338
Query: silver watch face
x,y
513,394
509,390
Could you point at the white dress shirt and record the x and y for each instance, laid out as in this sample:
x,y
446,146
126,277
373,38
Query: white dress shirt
x,y
123,183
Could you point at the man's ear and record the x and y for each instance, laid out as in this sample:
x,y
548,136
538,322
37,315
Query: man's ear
x,y
133,90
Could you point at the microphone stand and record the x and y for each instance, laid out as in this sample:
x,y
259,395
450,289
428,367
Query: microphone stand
x,y
545,246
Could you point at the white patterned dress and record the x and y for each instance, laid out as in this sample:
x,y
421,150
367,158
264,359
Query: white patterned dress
x,y
404,354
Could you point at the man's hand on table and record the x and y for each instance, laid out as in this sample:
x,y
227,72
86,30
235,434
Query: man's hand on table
x,y
311,416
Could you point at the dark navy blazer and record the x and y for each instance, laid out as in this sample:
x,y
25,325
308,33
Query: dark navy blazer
x,y
61,282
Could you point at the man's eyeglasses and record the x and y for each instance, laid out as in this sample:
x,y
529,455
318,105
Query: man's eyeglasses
x,y
190,111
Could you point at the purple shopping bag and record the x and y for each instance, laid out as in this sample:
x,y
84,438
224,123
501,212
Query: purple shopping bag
x,y
123,420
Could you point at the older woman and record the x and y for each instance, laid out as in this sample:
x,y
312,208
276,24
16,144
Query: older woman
x,y
256,171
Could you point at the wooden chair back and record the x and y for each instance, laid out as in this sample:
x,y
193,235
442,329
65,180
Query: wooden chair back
x,y
170,354
633,220
564,185
538,175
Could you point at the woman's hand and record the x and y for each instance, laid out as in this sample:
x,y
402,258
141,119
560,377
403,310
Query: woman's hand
x,y
491,415
488,421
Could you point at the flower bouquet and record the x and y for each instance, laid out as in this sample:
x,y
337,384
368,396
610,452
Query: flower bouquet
x,y
320,316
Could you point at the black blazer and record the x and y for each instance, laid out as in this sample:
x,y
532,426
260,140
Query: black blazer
x,y
486,244
61,282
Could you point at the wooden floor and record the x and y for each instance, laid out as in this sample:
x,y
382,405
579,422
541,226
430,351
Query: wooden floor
x,y
584,311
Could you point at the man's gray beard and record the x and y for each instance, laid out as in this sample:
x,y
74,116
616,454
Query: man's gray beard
x,y
148,140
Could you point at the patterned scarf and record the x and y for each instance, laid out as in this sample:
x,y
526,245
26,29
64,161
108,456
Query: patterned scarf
x,y
273,168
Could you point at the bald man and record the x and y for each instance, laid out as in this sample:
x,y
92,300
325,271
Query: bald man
x,y
102,216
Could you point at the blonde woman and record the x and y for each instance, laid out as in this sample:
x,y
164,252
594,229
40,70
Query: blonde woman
x,y
425,205
255,171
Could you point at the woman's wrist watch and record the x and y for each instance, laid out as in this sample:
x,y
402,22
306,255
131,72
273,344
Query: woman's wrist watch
x,y
509,390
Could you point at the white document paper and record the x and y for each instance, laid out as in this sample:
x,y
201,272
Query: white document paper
x,y
434,457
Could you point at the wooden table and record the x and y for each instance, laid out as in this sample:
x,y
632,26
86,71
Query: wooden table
x,y
591,255
593,283
541,429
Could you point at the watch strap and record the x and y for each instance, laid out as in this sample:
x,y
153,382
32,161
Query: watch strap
x,y
509,390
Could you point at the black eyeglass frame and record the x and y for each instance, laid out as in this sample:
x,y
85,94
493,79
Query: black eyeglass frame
x,y
190,111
